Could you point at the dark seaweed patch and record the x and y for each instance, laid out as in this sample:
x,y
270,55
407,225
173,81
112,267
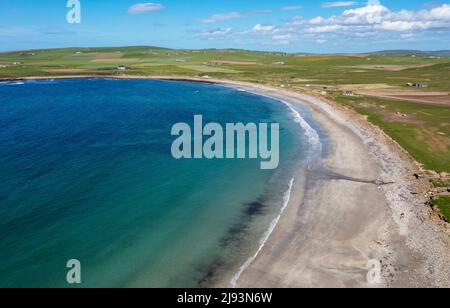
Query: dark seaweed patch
x,y
232,241
210,272
254,208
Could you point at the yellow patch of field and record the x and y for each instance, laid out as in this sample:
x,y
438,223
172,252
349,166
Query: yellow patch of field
x,y
360,55
390,92
424,97
364,87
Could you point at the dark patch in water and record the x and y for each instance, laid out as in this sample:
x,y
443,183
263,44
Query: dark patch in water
x,y
254,208
233,240
210,272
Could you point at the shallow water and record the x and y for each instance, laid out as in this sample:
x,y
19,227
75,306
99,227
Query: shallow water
x,y
87,174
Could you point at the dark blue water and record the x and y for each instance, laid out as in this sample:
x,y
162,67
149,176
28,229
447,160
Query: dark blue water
x,y
87,173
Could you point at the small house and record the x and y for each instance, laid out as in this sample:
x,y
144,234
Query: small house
x,y
214,63
348,93
122,68
417,84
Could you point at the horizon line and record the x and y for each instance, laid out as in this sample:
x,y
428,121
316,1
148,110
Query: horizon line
x,y
231,48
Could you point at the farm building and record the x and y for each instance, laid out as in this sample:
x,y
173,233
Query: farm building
x,y
348,93
417,84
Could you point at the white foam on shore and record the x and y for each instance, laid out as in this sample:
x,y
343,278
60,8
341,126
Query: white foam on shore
x,y
12,83
310,133
314,139
26,82
265,238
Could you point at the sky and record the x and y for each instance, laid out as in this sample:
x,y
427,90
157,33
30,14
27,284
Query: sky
x,y
276,25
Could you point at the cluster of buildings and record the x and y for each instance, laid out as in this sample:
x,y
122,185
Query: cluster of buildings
x,y
214,63
13,64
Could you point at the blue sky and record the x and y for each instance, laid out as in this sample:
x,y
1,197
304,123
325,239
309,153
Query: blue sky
x,y
293,26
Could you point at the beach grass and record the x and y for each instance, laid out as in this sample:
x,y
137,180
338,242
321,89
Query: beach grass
x,y
421,129
443,203
440,183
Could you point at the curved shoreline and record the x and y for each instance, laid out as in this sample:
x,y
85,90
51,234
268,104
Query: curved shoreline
x,y
327,238
400,231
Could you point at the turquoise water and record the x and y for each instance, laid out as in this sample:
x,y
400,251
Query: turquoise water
x,y
86,173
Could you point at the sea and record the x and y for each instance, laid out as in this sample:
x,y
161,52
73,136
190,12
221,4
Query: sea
x,y
87,174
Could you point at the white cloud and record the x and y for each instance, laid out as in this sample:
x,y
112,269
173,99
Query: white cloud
x,y
325,29
292,8
442,12
338,4
375,16
370,22
370,14
218,33
222,17
263,28
141,8
317,21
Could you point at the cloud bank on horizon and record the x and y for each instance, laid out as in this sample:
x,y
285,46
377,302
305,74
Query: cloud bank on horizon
x,y
372,21
290,25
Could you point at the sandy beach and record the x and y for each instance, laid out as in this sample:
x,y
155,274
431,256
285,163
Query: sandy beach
x,y
364,205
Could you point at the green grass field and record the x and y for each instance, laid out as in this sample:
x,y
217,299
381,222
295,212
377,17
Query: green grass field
x,y
443,203
440,183
422,129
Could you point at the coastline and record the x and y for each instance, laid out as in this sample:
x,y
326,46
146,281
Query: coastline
x,y
330,231
360,220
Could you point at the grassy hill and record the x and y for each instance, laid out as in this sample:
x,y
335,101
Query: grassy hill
x,y
437,53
